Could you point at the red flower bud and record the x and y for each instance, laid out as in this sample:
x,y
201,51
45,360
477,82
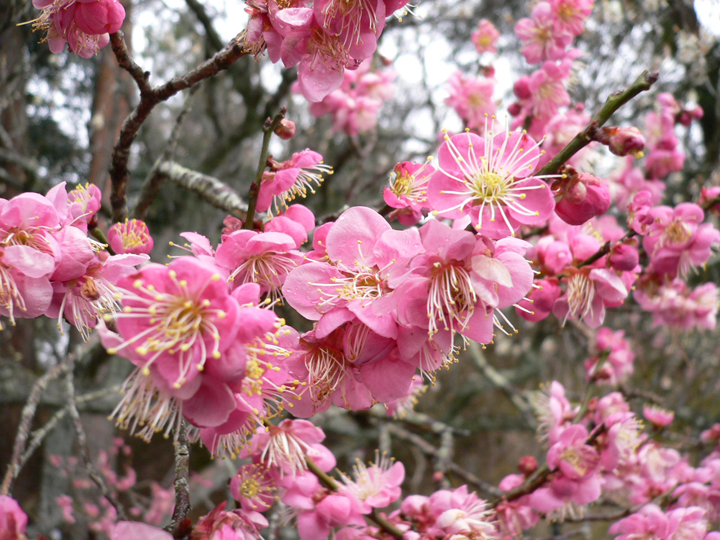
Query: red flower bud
x,y
285,129
622,141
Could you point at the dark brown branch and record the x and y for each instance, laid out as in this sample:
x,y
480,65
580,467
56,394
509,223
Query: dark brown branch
x,y
182,471
153,181
585,137
149,98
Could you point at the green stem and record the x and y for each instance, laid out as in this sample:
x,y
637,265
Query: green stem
x,y
268,130
613,103
331,483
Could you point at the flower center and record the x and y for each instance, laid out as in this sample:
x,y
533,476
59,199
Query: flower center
x,y
490,186
580,294
250,488
326,368
451,298
677,232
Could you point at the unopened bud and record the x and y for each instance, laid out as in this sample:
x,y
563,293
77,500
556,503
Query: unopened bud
x,y
285,129
527,465
622,141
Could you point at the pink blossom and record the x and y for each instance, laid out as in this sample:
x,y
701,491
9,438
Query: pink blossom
x,y
589,291
130,237
570,15
99,16
674,304
13,520
290,179
658,416
220,524
583,197
253,487
542,38
130,530
485,37
651,521
540,300
491,179
615,356
407,192
471,97
571,456
377,485
264,258
622,141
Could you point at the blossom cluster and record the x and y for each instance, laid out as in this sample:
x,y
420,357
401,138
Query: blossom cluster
x,y
85,25
322,39
355,106
48,263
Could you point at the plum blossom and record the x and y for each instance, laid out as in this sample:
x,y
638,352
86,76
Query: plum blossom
x,y
485,37
490,179
543,39
377,485
471,97
407,192
130,237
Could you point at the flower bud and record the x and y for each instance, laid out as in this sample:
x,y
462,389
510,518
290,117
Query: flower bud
x,y
596,201
132,236
99,17
285,129
527,465
622,141
624,257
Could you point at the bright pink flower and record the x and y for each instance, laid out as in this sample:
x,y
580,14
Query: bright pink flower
x,y
658,416
589,291
376,486
541,299
407,192
263,258
13,520
710,199
253,487
399,408
366,259
571,455
676,240
491,179
290,179
25,290
99,16
471,97
584,197
284,448
485,37
130,237
570,15
220,524
542,37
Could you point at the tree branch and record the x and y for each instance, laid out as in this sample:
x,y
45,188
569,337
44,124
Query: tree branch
x,y
182,471
613,103
268,129
149,98
208,188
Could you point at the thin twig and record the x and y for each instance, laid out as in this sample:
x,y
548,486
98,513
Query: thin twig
x,y
497,379
28,413
430,450
39,434
93,473
585,137
268,129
